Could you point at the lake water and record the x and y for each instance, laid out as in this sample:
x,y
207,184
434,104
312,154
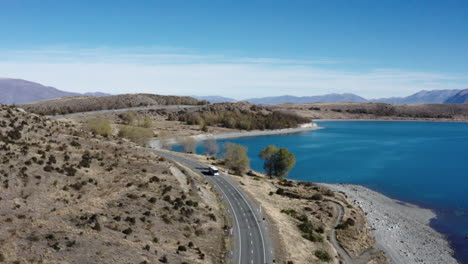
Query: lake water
x,y
425,163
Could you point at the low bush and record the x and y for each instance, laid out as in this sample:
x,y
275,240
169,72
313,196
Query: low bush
x,y
135,119
99,126
323,255
138,135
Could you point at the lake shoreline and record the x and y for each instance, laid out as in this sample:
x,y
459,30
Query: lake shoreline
x,y
401,230
391,120
173,141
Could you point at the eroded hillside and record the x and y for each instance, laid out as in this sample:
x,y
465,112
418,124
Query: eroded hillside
x,y
68,196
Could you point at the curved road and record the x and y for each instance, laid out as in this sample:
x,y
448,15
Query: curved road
x,y
252,244
344,255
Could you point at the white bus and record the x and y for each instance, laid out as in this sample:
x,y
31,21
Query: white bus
x,y
213,170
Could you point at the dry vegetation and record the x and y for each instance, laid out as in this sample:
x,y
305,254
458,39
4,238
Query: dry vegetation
x,y
240,115
302,216
67,105
456,112
72,196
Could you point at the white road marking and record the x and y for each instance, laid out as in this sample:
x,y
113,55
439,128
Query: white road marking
x,y
238,229
256,220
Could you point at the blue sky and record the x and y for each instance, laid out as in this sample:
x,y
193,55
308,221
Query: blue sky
x,y
239,49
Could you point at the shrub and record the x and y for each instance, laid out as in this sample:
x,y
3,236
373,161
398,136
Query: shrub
x,y
323,255
100,126
135,119
317,197
138,135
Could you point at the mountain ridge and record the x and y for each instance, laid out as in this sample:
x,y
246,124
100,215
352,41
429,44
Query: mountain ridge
x,y
19,91
458,98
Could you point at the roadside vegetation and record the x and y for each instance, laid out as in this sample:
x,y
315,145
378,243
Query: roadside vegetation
x,y
139,135
189,145
100,126
211,147
134,119
277,161
236,158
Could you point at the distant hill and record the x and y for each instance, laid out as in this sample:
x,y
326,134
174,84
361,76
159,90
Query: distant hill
x,y
421,97
17,91
327,98
458,98
214,99
78,104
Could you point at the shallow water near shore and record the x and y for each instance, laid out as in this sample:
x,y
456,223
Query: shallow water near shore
x,y
425,163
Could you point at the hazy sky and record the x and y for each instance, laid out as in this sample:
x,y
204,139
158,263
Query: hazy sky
x,y
237,49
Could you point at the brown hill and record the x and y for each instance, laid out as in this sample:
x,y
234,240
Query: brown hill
x,y
86,103
69,196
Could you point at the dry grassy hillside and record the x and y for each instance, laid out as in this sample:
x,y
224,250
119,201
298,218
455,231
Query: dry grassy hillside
x,y
378,111
68,196
67,105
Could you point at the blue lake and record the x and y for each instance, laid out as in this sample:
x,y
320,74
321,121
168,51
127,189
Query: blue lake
x,y
425,163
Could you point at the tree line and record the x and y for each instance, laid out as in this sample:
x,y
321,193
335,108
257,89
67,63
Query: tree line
x,y
244,120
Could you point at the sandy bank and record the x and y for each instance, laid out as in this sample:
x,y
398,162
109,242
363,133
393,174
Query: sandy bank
x,y
401,230
303,128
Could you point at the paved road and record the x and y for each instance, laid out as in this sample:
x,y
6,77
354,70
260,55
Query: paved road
x,y
128,109
252,244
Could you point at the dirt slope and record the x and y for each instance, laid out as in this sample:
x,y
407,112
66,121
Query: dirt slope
x,y
68,196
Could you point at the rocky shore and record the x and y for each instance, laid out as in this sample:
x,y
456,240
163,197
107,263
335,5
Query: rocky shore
x,y
402,230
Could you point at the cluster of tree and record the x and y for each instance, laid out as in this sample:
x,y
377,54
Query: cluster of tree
x,y
134,119
277,161
245,120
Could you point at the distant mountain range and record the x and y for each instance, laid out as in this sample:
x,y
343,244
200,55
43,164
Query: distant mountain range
x,y
458,98
17,91
328,98
421,97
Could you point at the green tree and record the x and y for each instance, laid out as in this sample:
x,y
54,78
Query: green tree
x,y
236,158
267,154
277,162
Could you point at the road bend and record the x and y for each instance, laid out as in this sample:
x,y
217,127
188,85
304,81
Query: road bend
x,y
252,244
